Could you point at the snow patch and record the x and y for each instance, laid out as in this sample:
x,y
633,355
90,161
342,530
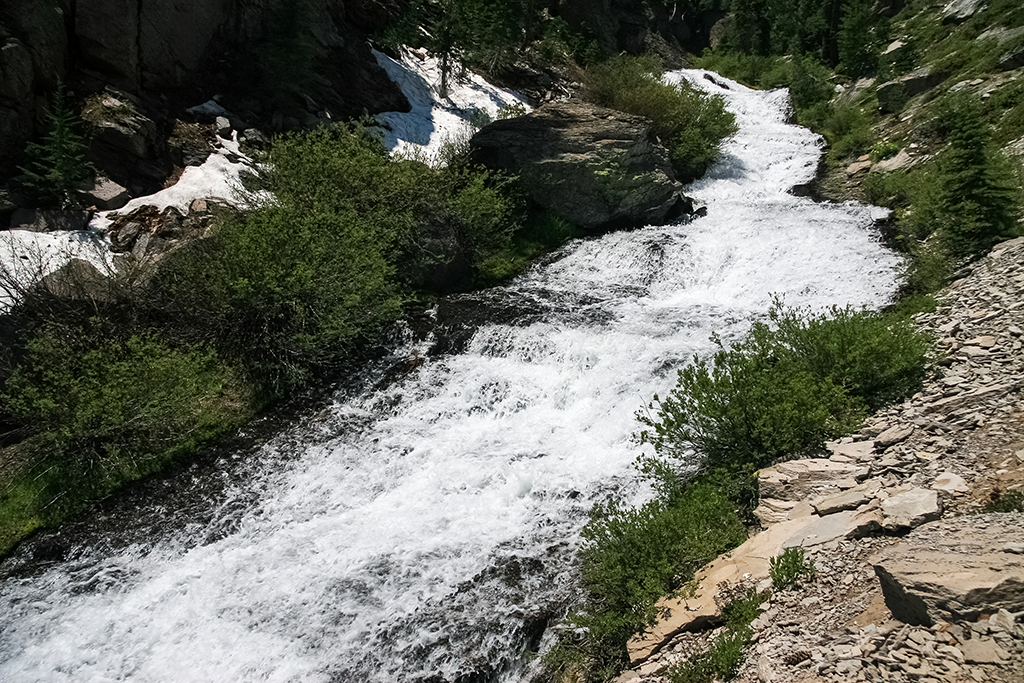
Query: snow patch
x,y
433,119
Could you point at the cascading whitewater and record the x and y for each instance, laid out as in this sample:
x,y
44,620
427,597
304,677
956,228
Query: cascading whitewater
x,y
423,529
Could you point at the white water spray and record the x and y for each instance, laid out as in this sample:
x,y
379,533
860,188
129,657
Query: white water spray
x,y
417,530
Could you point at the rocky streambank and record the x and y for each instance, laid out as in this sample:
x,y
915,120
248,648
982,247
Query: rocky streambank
x,y
911,583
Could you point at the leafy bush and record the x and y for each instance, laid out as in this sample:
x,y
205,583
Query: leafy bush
x,y
691,123
719,663
848,131
809,85
884,150
791,384
282,291
541,231
105,409
789,567
631,557
723,658
1010,501
291,285
757,71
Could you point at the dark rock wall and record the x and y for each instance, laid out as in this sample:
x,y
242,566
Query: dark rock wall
x,y
33,57
636,26
170,53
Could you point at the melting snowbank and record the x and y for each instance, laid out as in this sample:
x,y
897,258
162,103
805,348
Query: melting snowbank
x,y
434,119
25,256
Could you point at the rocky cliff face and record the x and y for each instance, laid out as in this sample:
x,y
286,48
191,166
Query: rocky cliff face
x,y
33,56
169,54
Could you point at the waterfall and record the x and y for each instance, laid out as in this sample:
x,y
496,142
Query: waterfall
x,y
424,529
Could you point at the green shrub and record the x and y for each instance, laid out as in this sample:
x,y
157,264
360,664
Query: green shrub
x,y
719,663
792,383
631,557
1010,501
756,71
809,84
283,291
848,131
105,409
691,123
788,568
540,232
884,150
291,285
723,658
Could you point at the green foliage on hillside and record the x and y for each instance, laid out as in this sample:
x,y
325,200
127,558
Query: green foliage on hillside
x,y
976,204
103,407
833,32
794,382
692,124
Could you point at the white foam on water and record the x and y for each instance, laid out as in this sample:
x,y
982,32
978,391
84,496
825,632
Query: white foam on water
x,y
419,528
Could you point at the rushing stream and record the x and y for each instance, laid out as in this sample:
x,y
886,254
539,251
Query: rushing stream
x,y
425,528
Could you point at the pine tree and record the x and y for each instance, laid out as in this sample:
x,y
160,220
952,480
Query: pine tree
x,y
58,164
858,41
976,203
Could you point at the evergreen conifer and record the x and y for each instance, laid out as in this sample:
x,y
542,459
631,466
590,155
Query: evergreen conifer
x,y
58,164
976,204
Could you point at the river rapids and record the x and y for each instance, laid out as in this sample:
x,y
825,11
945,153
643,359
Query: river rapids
x,y
425,528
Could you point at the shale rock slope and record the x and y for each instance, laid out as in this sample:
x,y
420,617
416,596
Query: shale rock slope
x,y
912,583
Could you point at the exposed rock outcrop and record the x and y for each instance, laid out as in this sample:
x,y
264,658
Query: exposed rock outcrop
x,y
954,570
33,54
894,94
171,54
597,167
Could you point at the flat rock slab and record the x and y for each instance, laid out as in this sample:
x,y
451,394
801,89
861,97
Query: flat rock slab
x,y
747,563
977,651
847,500
856,450
799,480
954,570
949,482
892,436
910,509
691,612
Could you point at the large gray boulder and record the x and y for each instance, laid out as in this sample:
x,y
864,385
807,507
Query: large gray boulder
x,y
956,569
894,94
599,168
125,144
959,11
